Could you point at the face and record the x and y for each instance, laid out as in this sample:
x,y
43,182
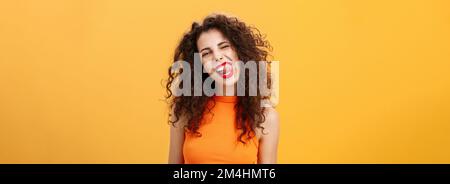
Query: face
x,y
218,57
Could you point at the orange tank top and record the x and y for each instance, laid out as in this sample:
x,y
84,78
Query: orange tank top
x,y
219,143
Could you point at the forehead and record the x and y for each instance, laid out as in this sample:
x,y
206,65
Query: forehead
x,y
210,38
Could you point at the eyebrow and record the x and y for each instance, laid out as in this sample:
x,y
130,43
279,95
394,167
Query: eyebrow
x,y
221,43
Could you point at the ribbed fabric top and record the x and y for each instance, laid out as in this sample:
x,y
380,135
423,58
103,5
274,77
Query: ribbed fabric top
x,y
219,143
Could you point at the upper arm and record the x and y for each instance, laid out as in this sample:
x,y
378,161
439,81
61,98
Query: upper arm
x,y
268,141
176,142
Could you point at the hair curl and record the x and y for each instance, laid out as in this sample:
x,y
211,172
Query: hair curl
x,y
250,45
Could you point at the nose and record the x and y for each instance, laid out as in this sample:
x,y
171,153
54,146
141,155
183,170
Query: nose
x,y
218,56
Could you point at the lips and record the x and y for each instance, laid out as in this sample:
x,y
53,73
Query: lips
x,y
225,70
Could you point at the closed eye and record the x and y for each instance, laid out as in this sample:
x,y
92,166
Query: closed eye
x,y
225,46
205,53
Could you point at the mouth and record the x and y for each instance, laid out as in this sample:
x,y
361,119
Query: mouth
x,y
225,69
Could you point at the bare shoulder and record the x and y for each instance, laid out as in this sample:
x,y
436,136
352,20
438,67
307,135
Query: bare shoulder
x,y
270,124
176,139
180,121
272,116
268,141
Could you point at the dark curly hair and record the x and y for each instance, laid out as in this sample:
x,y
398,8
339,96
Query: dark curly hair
x,y
250,45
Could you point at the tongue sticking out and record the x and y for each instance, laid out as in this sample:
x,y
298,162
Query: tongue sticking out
x,y
225,69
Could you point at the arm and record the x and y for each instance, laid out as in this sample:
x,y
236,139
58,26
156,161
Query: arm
x,y
176,143
268,141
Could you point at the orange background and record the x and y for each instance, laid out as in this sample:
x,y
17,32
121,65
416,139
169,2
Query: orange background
x,y
360,81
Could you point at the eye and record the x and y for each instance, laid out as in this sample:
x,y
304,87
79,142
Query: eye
x,y
205,54
225,46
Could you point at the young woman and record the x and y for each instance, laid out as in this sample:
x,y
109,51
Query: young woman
x,y
227,128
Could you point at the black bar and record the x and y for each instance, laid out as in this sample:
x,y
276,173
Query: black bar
x,y
225,173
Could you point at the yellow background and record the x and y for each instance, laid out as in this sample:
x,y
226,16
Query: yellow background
x,y
360,81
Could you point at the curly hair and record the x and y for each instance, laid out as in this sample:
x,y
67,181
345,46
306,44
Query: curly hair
x,y
250,45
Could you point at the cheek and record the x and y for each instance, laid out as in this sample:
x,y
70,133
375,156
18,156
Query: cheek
x,y
237,70
208,65
234,55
